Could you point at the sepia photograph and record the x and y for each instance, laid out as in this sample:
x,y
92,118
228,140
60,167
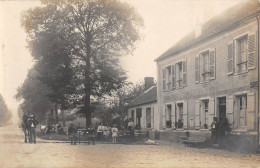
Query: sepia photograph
x,y
129,83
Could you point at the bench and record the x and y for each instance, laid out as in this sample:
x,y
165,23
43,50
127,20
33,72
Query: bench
x,y
197,139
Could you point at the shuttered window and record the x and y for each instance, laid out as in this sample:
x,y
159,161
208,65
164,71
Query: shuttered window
x,y
242,54
205,66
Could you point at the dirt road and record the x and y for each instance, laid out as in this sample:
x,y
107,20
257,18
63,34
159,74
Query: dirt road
x,y
14,153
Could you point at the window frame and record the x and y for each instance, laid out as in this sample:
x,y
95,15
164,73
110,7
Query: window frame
x,y
235,43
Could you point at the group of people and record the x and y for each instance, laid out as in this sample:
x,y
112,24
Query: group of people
x,y
219,129
29,125
104,132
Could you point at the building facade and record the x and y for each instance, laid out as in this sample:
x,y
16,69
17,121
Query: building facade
x,y
212,72
143,110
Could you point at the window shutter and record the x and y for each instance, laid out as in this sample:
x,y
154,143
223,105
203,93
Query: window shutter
x,y
230,61
197,115
173,116
185,115
251,58
212,64
184,72
173,77
197,69
164,79
163,117
230,111
251,110
211,111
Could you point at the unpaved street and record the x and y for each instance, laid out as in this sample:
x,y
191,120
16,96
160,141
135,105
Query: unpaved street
x,y
15,153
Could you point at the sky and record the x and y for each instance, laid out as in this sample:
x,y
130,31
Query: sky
x,y
166,22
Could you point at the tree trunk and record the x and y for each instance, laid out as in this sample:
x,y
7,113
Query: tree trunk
x,y
87,84
56,113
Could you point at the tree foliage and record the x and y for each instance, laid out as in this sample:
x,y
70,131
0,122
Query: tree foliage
x,y
87,37
35,96
5,113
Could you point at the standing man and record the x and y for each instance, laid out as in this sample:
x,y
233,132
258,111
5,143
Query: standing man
x,y
214,129
32,123
25,126
72,131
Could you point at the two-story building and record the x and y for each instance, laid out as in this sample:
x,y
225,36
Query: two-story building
x,y
212,72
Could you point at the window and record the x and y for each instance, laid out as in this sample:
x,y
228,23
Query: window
x,y
205,66
179,123
179,75
241,54
168,116
206,111
242,113
168,78
148,117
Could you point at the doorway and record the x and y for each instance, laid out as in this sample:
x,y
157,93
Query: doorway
x,y
138,117
221,108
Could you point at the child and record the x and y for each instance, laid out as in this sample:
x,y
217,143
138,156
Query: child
x,y
114,133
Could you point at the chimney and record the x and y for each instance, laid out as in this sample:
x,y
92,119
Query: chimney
x,y
148,82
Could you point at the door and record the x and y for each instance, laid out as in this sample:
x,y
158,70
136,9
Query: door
x,y
222,107
138,117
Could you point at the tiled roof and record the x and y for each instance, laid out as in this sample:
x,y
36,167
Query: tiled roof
x,y
148,96
217,24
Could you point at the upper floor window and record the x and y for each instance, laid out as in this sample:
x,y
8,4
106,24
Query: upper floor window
x,y
241,54
205,66
175,76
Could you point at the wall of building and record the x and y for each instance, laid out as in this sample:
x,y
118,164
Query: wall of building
x,y
224,85
155,115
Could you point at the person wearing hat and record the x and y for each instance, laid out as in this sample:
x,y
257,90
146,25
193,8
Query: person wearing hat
x,y
72,131
214,129
32,123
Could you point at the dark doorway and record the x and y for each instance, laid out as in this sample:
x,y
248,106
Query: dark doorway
x,y
222,108
138,118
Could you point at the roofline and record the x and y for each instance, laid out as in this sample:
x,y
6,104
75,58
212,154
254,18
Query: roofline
x,y
207,37
143,103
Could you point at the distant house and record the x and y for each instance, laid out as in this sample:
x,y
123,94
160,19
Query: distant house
x,y
143,110
211,72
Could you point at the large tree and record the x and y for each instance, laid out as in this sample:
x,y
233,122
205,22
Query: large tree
x,y
93,34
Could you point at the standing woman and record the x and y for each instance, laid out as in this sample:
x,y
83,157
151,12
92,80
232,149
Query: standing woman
x,y
100,131
114,133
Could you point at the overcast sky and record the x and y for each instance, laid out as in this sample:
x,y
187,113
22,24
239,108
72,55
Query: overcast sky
x,y
166,22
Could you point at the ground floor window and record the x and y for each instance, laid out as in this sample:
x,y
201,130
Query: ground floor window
x,y
205,114
179,122
242,107
168,116
148,117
